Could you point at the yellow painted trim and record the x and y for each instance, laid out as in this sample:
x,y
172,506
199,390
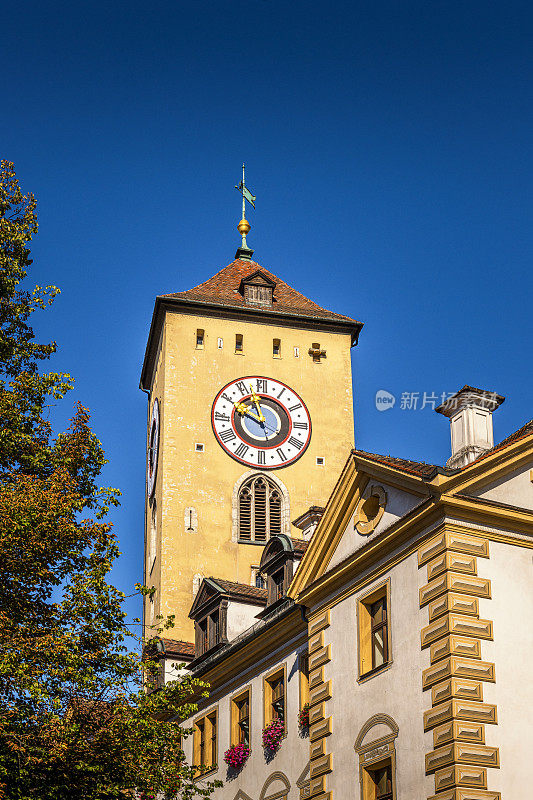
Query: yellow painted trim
x,y
234,714
270,676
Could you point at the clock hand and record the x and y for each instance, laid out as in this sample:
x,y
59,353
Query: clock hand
x,y
255,398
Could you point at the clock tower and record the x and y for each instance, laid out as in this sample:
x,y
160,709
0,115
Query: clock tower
x,y
250,421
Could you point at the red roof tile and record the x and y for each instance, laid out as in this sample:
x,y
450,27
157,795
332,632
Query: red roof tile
x,y
241,590
223,289
178,647
521,433
418,468
300,546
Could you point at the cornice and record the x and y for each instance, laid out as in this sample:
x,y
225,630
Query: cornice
x,y
250,652
250,314
489,467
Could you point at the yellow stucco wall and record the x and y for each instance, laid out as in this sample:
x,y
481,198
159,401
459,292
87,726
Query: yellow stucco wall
x,y
186,382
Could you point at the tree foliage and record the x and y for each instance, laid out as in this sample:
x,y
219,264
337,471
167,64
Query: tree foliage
x,y
75,721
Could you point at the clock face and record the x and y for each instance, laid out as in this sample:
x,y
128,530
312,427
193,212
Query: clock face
x,y
261,422
153,449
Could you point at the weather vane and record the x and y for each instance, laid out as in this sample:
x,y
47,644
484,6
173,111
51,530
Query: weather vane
x,y
244,226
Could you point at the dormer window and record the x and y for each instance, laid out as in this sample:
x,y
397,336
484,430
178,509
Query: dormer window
x,y
215,600
259,295
279,561
258,289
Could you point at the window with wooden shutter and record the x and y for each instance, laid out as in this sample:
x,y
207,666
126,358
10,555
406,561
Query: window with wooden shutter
x,y
274,696
259,510
374,630
240,718
205,743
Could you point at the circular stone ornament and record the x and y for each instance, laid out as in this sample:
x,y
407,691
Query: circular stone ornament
x,y
370,509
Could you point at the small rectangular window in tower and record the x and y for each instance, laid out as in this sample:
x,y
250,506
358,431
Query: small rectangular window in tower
x,y
239,343
276,348
199,447
374,630
220,343
296,352
200,339
257,579
320,461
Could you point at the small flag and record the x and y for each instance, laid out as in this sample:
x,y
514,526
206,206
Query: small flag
x,y
246,193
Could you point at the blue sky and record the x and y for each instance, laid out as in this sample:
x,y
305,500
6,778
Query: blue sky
x,y
388,143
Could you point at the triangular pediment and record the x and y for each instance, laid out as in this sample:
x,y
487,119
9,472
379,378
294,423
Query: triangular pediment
x,y
208,589
258,278
361,507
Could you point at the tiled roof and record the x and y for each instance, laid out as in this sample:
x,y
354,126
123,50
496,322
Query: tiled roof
x,y
525,430
300,546
241,590
178,647
418,468
223,289
423,470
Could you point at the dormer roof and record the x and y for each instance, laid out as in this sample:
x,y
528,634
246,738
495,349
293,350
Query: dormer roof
x,y
223,293
224,288
217,587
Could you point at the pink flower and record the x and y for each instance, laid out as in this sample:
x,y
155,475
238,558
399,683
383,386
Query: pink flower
x,y
303,716
273,734
236,755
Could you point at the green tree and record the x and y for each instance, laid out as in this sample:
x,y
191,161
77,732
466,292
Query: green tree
x,y
75,721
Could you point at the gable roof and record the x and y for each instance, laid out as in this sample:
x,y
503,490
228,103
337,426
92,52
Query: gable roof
x,y
223,293
210,587
240,590
418,468
178,647
428,471
224,289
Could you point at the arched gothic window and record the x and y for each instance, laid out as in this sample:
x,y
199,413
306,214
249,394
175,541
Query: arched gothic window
x,y
259,510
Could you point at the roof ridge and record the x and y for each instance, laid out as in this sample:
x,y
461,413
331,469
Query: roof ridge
x,y
223,288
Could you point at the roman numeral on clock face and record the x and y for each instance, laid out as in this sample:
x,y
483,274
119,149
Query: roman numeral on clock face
x,y
226,397
227,436
303,426
262,385
261,457
241,450
293,408
295,443
281,454
222,417
241,386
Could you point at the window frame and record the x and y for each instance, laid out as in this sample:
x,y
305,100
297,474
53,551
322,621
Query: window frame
x,y
369,789
272,526
210,629
276,345
303,671
366,631
200,338
235,723
239,344
204,724
268,680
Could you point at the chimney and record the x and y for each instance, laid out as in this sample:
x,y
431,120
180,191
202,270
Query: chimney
x,y
470,414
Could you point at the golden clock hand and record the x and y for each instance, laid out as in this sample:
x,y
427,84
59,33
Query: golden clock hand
x,y
255,398
243,409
